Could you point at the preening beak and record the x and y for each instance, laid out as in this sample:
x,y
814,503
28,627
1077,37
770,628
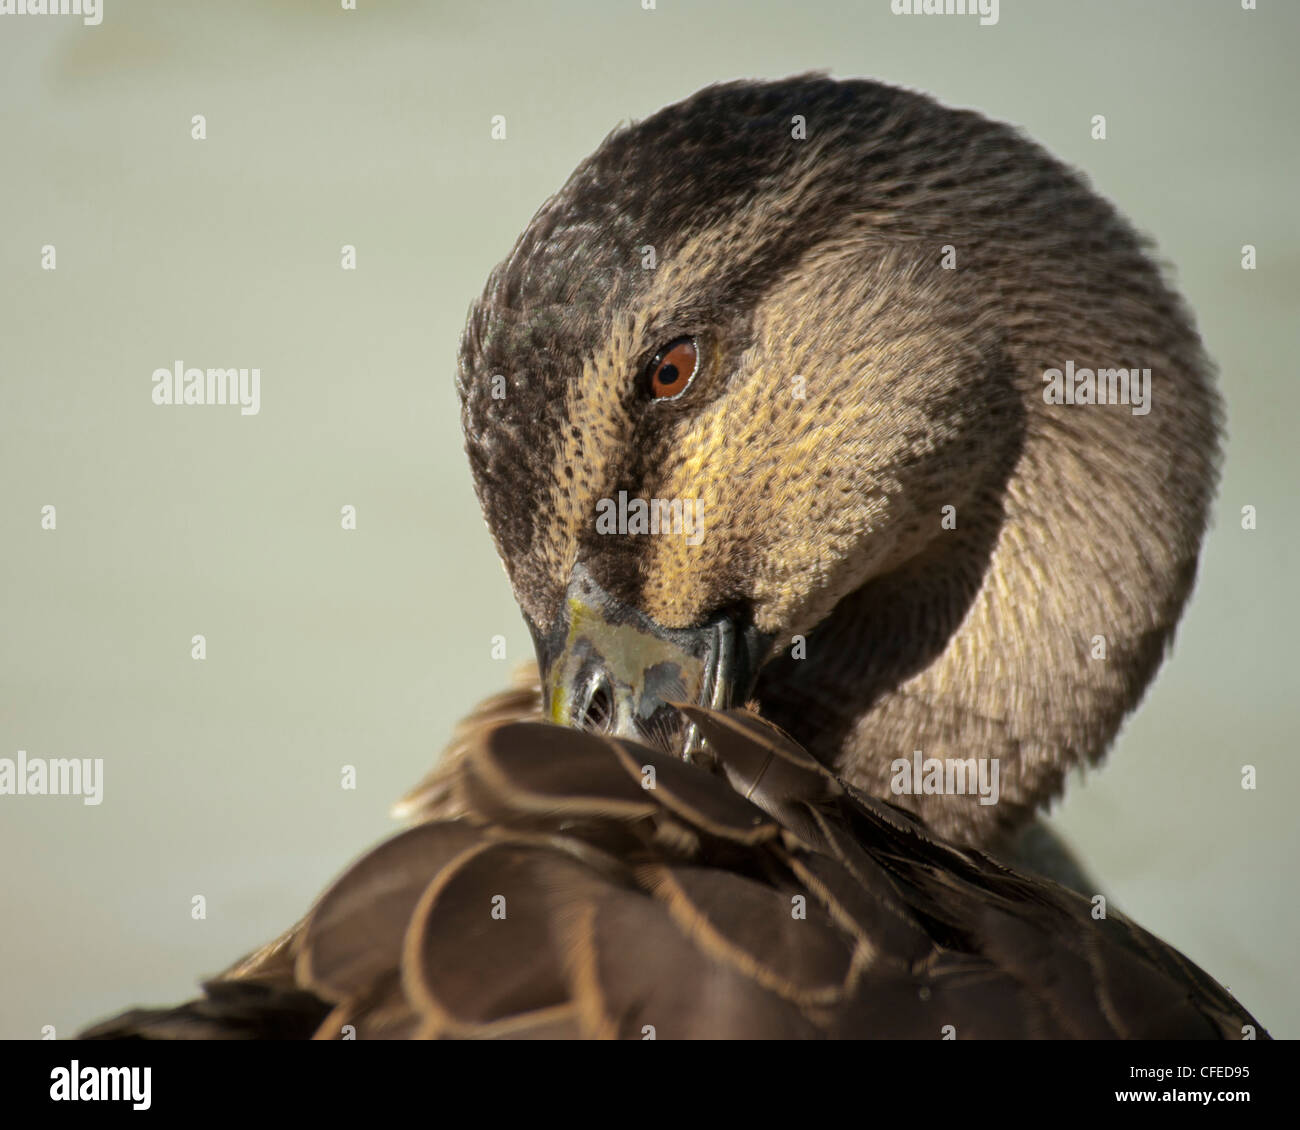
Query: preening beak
x,y
608,667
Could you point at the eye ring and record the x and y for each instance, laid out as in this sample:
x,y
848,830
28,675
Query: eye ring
x,y
672,369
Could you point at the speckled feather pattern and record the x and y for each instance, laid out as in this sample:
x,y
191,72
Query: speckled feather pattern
x,y
821,259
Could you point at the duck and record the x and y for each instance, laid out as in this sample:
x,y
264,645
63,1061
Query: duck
x,y
814,329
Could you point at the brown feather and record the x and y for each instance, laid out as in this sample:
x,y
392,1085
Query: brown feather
x,y
862,924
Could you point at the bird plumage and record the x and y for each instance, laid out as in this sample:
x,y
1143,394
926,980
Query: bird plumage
x,y
926,547
594,887
876,304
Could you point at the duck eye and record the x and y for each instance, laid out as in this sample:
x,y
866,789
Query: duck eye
x,y
673,367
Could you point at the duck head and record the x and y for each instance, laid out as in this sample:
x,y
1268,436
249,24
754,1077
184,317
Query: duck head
x,y
757,411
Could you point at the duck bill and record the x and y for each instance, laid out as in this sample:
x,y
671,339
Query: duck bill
x,y
606,666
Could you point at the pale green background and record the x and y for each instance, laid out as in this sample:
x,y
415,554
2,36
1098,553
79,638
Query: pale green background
x,y
327,648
